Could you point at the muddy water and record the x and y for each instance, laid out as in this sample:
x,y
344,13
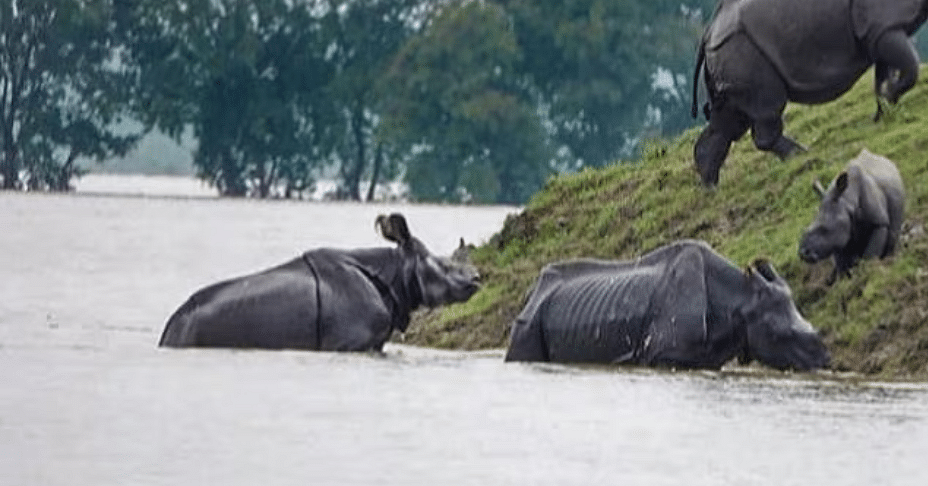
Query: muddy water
x,y
87,398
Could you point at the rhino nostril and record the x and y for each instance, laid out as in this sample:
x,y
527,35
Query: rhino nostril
x,y
807,255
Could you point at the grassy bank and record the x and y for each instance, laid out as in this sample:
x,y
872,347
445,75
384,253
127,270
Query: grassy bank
x,y
875,322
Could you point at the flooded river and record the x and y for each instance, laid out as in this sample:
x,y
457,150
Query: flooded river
x,y
86,397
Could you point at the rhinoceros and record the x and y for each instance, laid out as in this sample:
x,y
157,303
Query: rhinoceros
x,y
325,299
682,305
860,215
759,54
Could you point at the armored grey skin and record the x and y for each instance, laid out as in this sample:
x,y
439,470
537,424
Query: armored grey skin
x,y
326,299
759,54
682,305
860,215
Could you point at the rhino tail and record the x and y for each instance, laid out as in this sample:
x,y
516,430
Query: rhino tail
x,y
700,59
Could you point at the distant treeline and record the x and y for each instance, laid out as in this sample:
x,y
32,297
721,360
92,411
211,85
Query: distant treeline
x,y
464,100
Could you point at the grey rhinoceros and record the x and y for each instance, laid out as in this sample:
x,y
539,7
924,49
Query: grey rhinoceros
x,y
325,299
759,54
860,215
681,305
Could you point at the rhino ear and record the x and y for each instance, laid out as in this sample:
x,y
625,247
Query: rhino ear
x,y
761,273
765,269
840,185
393,228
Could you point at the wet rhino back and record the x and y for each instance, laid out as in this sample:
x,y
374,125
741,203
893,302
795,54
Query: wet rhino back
x,y
271,309
600,317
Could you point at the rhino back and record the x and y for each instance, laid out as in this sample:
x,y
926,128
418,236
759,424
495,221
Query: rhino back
x,y
811,44
600,317
271,309
882,196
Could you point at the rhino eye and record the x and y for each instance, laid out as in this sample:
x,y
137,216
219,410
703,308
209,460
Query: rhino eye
x,y
438,264
825,230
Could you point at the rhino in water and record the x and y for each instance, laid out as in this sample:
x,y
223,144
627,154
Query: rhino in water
x,y
860,215
325,299
759,54
681,305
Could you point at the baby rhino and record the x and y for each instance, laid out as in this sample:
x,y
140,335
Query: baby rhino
x,y
860,215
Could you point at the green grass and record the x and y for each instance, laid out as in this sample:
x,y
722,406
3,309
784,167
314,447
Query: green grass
x,y
875,322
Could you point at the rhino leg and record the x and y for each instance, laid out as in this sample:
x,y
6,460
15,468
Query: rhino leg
x,y
881,75
844,262
876,245
768,136
897,65
764,104
711,149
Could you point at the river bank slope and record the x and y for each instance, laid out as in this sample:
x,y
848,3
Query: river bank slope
x,y
875,322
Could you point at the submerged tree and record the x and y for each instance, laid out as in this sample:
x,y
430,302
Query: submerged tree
x,y
249,77
605,71
454,101
363,36
63,86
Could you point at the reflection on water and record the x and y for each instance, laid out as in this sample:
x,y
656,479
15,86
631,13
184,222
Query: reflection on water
x,y
87,397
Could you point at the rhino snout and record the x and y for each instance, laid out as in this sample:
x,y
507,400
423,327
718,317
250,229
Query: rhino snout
x,y
809,256
813,354
811,249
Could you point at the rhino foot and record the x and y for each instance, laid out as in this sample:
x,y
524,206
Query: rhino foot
x,y
786,148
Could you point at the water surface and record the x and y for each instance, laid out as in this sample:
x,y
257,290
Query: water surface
x,y
86,283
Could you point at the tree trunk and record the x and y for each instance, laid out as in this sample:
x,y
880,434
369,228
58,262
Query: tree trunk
x,y
375,172
10,168
9,171
353,182
232,180
62,180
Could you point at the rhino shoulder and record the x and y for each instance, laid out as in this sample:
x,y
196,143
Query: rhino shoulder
x,y
725,23
872,18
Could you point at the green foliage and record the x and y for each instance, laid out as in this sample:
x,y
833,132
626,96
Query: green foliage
x,y
250,78
467,100
364,35
520,87
63,88
453,100
876,321
594,64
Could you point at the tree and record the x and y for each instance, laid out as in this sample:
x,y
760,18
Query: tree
x,y
364,36
63,85
453,101
250,78
595,64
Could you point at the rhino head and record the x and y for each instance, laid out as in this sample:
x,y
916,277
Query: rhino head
x,y
439,280
830,231
777,334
